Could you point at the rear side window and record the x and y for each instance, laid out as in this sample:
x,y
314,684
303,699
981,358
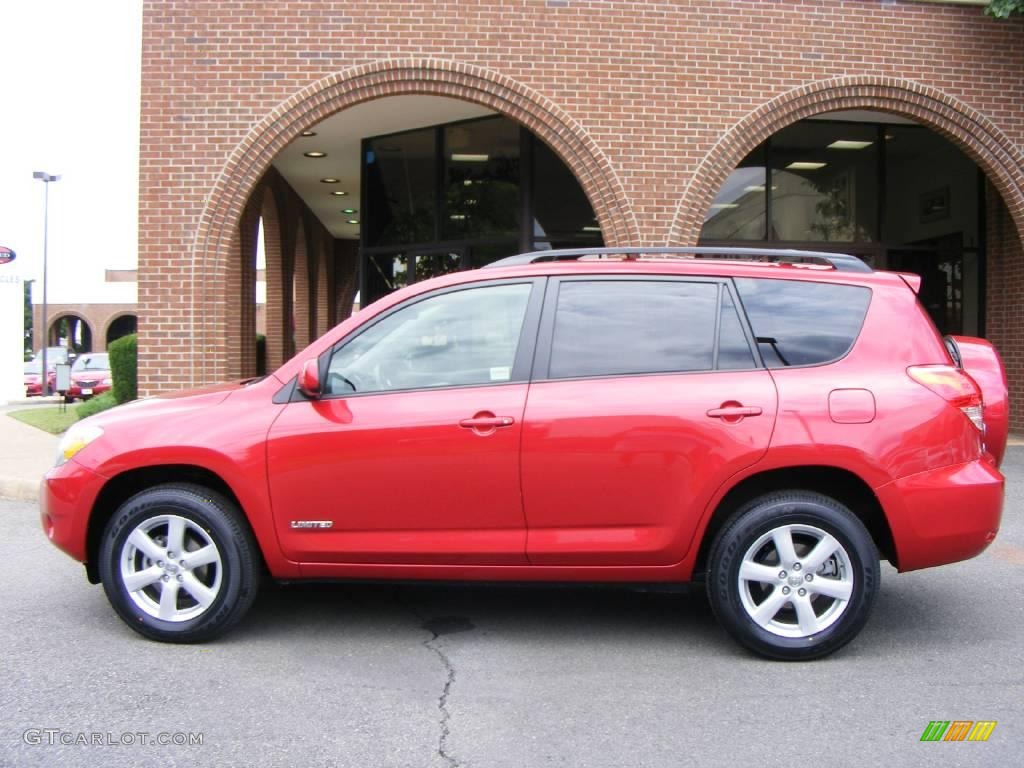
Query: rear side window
x,y
617,327
803,323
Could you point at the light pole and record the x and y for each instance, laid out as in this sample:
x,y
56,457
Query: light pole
x,y
46,178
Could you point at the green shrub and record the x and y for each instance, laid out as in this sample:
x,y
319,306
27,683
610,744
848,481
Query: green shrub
x,y
124,367
96,404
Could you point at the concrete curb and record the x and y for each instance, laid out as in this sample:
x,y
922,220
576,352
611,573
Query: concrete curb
x,y
18,489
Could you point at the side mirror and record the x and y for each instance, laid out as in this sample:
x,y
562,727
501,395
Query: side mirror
x,y
309,379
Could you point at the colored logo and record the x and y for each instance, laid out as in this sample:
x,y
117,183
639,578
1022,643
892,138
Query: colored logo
x,y
958,730
6,255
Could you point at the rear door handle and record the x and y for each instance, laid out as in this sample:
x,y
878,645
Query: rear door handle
x,y
732,412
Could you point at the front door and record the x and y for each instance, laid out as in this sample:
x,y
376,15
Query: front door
x,y
412,454
648,398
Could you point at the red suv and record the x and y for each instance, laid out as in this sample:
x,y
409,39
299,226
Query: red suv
x,y
769,423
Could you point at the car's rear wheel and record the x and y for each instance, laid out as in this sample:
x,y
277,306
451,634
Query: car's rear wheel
x,y
179,563
793,575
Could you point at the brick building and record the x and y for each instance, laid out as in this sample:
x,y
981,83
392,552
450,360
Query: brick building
x,y
369,145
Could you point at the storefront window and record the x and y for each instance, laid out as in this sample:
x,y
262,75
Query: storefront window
x,y
460,196
401,184
825,182
738,211
481,195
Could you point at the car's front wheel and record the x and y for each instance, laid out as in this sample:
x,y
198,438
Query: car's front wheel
x,y
179,563
793,575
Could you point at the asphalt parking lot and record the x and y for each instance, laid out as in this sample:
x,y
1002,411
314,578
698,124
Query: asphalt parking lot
x,y
418,676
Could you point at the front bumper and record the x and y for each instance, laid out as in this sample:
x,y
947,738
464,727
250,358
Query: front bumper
x,y
66,497
943,515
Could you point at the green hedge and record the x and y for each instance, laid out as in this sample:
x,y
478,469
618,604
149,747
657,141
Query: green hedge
x,y
124,367
95,405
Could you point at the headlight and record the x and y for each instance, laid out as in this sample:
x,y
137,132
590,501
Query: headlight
x,y
108,382
75,439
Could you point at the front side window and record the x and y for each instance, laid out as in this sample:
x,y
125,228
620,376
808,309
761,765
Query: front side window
x,y
613,327
462,338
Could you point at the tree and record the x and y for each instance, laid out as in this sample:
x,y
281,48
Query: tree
x,y
28,320
1003,9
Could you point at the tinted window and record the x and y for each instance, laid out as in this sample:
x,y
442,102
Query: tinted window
x,y
611,327
733,350
454,339
803,323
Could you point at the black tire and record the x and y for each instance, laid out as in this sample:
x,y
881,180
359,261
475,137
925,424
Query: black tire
x,y
210,518
800,516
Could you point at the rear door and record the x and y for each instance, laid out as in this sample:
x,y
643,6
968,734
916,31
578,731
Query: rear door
x,y
647,395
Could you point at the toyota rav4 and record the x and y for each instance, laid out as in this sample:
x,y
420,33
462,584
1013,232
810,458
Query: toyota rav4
x,y
766,423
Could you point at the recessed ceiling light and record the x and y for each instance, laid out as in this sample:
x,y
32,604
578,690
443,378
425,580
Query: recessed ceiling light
x,y
348,210
591,229
315,154
848,144
329,180
353,221
758,188
720,206
308,133
339,193
457,158
805,166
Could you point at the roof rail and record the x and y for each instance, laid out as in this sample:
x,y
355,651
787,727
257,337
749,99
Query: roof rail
x,y
841,262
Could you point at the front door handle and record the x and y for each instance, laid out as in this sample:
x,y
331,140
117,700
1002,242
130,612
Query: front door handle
x,y
485,422
732,412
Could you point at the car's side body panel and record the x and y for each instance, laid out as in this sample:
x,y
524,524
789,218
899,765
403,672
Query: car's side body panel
x,y
398,480
629,487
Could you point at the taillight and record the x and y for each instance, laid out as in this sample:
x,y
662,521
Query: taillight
x,y
955,387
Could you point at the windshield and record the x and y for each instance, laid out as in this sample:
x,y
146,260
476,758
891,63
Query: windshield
x,y
91,362
34,366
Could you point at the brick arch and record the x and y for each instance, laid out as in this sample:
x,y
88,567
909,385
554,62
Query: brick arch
x,y
1000,159
218,223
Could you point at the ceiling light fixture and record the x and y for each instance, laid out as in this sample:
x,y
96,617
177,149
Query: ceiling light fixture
x,y
348,210
457,158
758,188
802,165
353,221
591,229
722,206
339,193
308,133
849,144
317,155
329,180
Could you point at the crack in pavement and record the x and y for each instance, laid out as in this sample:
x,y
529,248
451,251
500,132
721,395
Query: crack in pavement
x,y
438,626
442,701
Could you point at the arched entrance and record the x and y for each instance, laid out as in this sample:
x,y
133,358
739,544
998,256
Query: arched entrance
x,y
897,174
1000,159
122,325
215,336
71,331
